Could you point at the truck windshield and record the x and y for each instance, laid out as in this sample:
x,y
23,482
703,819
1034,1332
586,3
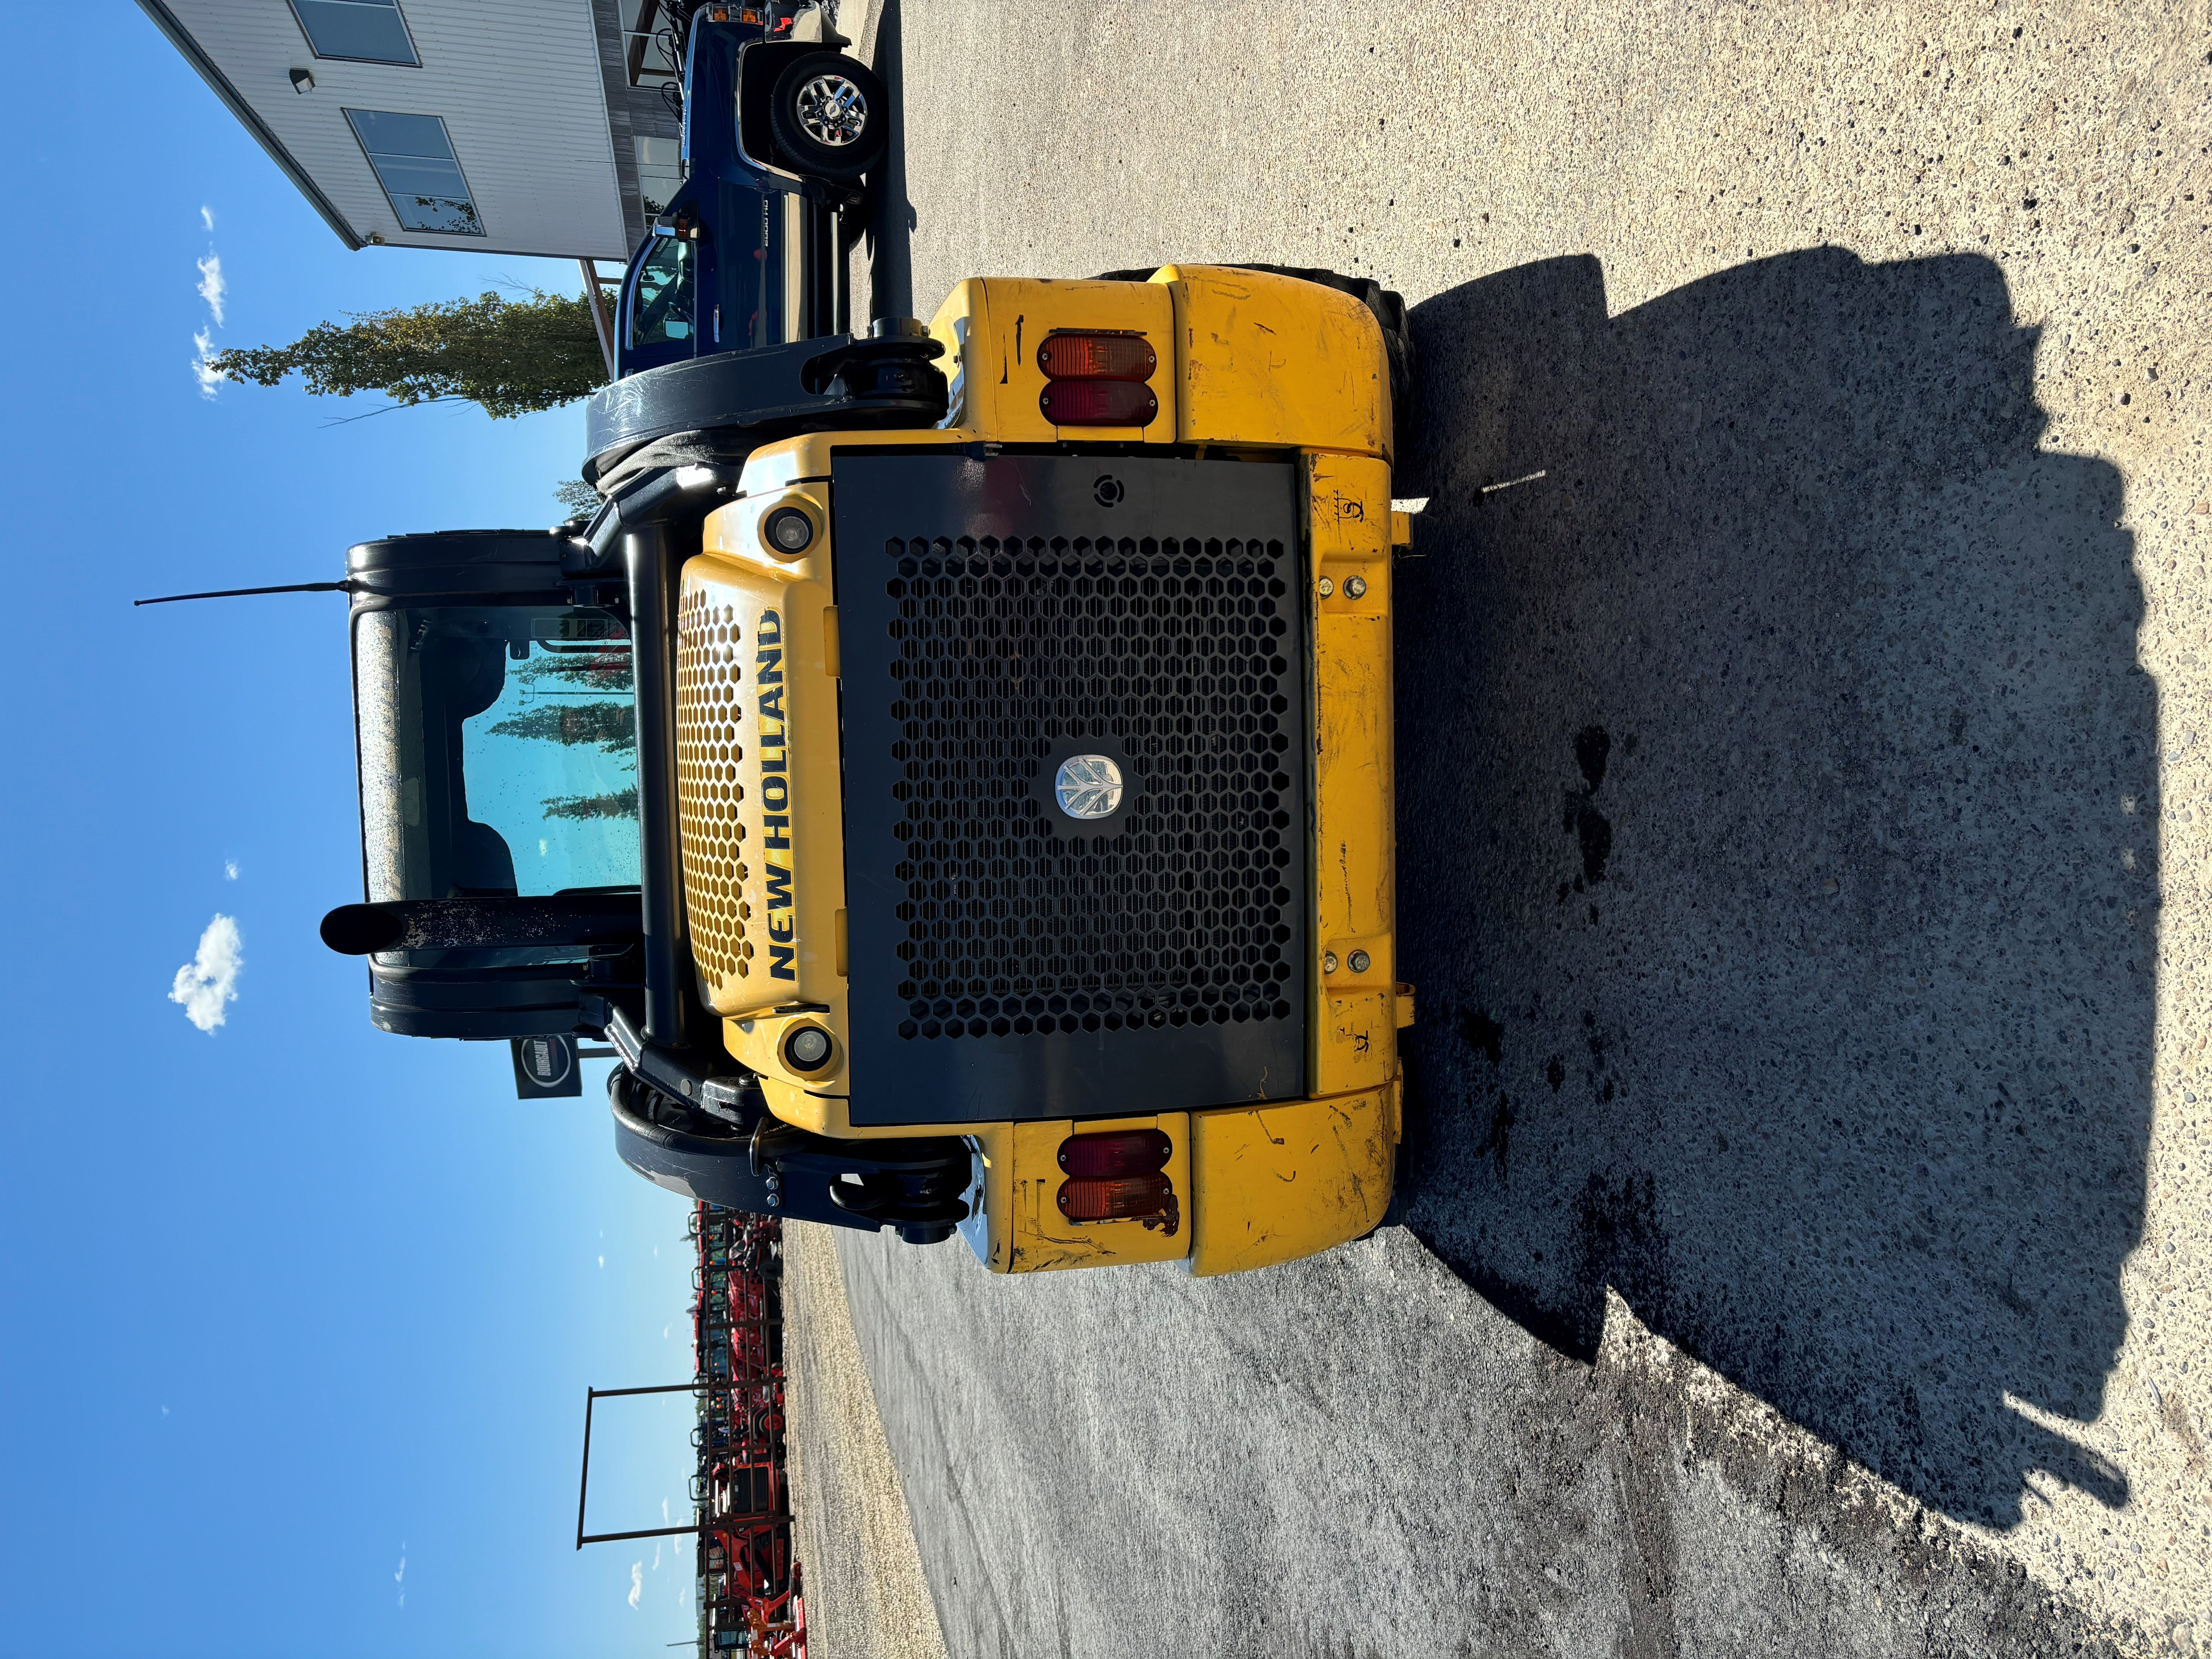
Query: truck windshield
x,y
498,751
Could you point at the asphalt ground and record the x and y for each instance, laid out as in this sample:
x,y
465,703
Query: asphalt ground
x,y
1802,807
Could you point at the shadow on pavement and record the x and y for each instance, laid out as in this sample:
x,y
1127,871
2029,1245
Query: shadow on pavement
x,y
1778,842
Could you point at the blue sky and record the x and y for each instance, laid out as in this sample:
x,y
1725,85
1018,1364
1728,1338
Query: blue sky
x,y
280,1301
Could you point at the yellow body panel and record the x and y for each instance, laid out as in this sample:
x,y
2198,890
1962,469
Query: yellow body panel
x,y
1354,1025
990,328
1259,362
1037,1238
1277,1182
1268,360
758,792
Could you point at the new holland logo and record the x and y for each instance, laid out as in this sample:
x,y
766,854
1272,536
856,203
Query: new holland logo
x,y
775,798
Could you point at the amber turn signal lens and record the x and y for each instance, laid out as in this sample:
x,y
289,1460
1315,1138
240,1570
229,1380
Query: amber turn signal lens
x,y
1126,1199
1098,403
1127,1153
1096,357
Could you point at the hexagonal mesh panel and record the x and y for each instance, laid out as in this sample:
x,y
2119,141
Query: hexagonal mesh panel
x,y
1013,651
1001,615
709,704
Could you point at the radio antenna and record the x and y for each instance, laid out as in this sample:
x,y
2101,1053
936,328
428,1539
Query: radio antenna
x,y
349,586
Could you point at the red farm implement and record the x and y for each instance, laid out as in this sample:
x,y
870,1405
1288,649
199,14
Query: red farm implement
x,y
749,1598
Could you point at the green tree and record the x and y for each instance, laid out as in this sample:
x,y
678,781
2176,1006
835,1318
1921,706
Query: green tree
x,y
621,805
612,726
604,669
510,357
579,497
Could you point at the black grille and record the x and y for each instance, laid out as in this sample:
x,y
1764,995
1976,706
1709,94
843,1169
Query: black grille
x,y
997,617
1167,653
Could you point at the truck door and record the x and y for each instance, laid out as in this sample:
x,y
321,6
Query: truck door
x,y
756,263
660,305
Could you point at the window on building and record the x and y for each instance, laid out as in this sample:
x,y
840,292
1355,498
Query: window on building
x,y
414,163
649,44
367,31
659,171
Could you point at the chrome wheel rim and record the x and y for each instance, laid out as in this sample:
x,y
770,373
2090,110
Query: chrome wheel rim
x,y
832,111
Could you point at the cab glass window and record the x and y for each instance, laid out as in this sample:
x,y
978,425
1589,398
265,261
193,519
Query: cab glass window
x,y
662,312
498,751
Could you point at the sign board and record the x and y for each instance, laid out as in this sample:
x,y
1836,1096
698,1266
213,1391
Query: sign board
x,y
546,1067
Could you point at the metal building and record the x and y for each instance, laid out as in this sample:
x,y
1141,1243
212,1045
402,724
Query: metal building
x,y
507,126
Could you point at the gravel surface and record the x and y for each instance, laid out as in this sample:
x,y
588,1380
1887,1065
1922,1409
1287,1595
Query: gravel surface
x,y
1807,775
865,1598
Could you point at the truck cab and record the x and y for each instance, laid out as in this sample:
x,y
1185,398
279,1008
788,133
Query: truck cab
x,y
779,128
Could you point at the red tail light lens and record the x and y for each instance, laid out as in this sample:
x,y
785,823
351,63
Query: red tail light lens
x,y
1107,1157
1125,1200
1096,357
1098,403
1121,1176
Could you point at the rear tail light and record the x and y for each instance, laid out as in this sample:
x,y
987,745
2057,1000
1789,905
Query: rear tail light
x,y
1098,403
1124,1200
1132,1152
1096,357
1097,379
1121,1176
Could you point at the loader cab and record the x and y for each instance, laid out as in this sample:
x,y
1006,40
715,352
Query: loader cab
x,y
495,726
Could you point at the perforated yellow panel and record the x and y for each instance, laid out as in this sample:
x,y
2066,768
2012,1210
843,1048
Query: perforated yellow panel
x,y
709,710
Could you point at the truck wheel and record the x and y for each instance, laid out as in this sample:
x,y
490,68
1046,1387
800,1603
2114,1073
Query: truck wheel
x,y
831,116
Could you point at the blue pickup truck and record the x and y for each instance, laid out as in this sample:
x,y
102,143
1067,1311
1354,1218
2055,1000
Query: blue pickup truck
x,y
735,314
778,130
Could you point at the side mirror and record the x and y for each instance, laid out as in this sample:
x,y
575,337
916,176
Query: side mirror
x,y
683,222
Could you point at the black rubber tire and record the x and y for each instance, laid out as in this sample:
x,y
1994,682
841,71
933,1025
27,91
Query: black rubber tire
x,y
805,153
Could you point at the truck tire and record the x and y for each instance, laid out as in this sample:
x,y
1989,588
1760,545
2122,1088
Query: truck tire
x,y
1388,306
830,117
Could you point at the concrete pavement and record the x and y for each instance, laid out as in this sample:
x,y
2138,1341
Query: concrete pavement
x,y
1806,1196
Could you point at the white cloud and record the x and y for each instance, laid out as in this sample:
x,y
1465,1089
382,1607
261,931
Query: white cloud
x,y
230,869
656,1557
207,216
212,288
210,979
202,370
636,1582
